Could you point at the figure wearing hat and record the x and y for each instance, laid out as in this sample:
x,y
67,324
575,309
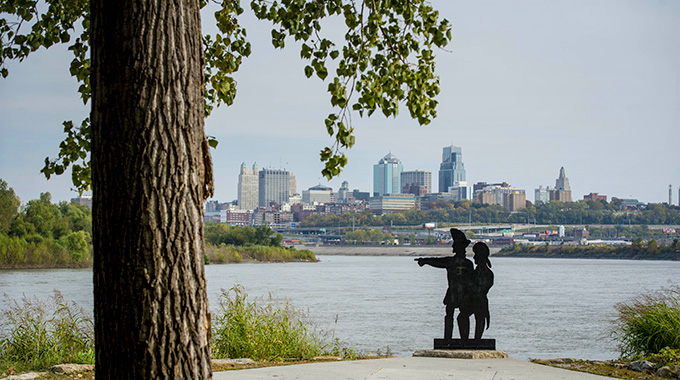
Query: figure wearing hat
x,y
459,272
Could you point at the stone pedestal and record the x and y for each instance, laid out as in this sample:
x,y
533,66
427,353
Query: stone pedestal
x,y
468,344
462,354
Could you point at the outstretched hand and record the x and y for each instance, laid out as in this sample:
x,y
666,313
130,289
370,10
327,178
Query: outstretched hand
x,y
420,261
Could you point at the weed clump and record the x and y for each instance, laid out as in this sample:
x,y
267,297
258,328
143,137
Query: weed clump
x,y
36,334
649,323
268,330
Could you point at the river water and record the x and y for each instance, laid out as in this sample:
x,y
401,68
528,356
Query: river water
x,y
540,308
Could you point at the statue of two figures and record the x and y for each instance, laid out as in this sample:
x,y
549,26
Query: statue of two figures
x,y
467,292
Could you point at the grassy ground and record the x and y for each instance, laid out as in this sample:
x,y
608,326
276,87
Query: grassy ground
x,y
611,369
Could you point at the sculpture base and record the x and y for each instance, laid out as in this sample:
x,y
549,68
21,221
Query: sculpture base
x,y
462,354
469,344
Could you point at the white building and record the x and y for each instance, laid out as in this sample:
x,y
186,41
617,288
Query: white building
x,y
248,194
318,194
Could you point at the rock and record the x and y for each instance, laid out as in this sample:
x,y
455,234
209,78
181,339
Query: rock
x,y
25,376
68,369
562,360
242,361
462,354
642,366
672,372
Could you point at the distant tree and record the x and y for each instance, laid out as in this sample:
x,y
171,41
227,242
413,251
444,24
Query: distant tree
x,y
636,246
9,206
412,238
652,247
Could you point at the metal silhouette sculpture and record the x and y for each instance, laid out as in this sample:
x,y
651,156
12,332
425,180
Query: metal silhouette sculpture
x,y
467,292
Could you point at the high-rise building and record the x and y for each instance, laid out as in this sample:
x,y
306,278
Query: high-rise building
x,y
514,201
384,204
343,193
542,194
318,194
416,177
387,175
275,185
500,195
248,194
562,191
461,191
451,170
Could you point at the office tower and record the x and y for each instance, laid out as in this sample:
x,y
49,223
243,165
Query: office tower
x,y
562,182
451,170
387,175
275,185
318,194
562,191
542,194
343,193
248,195
515,201
418,178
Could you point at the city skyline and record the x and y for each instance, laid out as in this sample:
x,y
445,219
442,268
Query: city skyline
x,y
527,88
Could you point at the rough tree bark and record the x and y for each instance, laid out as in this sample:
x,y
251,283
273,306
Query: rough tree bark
x,y
151,307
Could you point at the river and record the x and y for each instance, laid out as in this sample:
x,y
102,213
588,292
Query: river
x,y
540,308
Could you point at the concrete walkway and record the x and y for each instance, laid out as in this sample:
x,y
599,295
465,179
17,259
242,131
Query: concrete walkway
x,y
411,368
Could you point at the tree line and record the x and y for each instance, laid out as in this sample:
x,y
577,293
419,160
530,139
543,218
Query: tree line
x,y
580,212
234,244
43,234
638,250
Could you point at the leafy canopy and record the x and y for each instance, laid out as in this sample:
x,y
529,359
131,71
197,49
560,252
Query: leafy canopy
x,y
385,58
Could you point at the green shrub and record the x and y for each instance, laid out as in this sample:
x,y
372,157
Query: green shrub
x,y
649,323
36,334
667,356
225,253
267,330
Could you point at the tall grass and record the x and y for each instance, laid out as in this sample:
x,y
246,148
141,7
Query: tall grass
x,y
267,330
648,323
37,334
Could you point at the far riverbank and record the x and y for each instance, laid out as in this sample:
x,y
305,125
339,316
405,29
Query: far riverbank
x,y
386,250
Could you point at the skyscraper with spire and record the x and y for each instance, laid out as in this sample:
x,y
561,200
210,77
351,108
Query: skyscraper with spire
x,y
562,191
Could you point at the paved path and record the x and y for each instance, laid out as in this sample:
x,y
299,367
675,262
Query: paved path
x,y
411,368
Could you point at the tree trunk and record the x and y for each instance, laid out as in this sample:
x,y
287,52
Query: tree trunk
x,y
151,308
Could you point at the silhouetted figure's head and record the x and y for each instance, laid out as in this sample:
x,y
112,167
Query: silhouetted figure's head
x,y
460,241
481,251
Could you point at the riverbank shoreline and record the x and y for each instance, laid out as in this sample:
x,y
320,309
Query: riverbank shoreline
x,y
386,250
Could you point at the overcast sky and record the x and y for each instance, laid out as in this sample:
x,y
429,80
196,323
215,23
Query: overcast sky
x,y
527,87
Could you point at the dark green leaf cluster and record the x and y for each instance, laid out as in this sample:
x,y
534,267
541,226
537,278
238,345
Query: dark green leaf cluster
x,y
53,26
74,151
386,58
223,56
